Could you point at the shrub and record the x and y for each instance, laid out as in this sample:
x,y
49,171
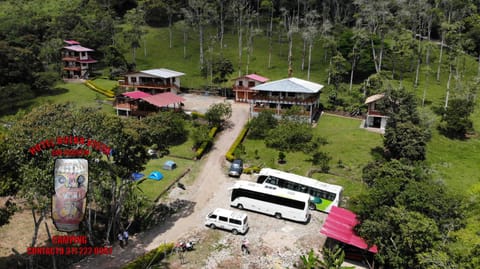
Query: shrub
x,y
230,153
251,170
150,257
206,144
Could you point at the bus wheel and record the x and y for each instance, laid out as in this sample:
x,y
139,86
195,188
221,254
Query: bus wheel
x,y
213,226
234,231
240,206
278,215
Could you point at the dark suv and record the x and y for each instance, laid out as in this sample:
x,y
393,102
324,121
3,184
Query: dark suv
x,y
236,168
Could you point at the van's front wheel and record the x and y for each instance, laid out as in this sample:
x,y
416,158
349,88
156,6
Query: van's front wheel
x,y
278,215
213,226
234,231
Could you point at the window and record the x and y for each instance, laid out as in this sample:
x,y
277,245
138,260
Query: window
x,y
223,218
240,83
235,221
212,216
267,198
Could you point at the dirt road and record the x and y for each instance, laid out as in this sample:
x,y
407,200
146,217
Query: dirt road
x,y
204,188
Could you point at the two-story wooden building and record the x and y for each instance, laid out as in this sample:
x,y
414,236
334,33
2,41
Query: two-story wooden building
x,y
279,95
77,62
374,118
243,86
152,81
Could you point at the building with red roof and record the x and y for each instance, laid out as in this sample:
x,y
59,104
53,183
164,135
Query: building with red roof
x,y
140,104
339,227
77,62
243,86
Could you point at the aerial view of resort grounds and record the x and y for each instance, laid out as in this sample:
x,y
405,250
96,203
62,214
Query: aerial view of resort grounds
x,y
241,134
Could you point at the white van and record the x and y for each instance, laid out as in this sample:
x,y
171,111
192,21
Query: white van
x,y
236,222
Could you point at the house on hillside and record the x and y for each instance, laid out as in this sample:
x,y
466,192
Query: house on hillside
x,y
152,81
374,118
77,62
279,95
243,86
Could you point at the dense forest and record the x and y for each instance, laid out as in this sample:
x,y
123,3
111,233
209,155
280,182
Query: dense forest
x,y
367,47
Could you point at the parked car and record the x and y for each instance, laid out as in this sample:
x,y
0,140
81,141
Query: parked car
x,y
236,168
236,222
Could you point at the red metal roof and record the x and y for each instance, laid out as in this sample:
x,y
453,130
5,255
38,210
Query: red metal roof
x,y
257,78
163,99
71,42
339,226
136,94
77,48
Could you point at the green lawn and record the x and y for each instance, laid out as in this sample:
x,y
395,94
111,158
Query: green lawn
x,y
346,143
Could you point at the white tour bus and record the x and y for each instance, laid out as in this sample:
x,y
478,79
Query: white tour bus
x,y
271,200
323,195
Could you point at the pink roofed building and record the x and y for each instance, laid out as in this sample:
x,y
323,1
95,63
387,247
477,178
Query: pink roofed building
x,y
77,63
243,87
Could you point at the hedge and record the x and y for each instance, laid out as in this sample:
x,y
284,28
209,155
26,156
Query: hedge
x,y
251,170
151,257
230,153
205,144
107,93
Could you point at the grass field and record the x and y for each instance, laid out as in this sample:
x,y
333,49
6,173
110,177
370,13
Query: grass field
x,y
152,188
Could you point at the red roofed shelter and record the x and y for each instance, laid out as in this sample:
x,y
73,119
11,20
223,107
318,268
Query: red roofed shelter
x,y
339,226
139,103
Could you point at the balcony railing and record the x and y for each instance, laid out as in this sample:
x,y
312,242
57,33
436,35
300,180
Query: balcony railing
x,y
122,83
243,89
285,100
281,111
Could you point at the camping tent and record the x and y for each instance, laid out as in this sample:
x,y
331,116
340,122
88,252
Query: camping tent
x,y
137,176
155,175
169,165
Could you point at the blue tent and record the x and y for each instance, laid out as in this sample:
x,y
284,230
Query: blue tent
x,y
137,176
155,175
169,165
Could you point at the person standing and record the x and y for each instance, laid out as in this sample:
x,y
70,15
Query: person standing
x,y
120,239
125,237
244,246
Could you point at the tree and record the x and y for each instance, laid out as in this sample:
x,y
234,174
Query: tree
x,y
309,33
406,141
289,135
199,14
456,122
108,186
221,69
260,125
135,19
218,113
401,235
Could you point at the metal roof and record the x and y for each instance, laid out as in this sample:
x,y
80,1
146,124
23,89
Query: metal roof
x,y
290,85
163,99
257,78
136,94
162,73
340,225
374,98
77,48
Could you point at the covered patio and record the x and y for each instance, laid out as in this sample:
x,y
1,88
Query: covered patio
x,y
140,104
